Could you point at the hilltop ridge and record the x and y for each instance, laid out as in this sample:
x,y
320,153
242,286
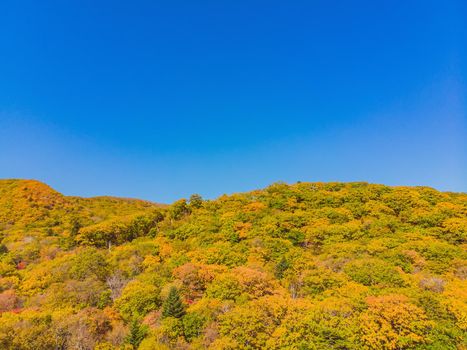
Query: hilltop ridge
x,y
30,202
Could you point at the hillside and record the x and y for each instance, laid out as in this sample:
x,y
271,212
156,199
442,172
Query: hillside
x,y
31,209
302,266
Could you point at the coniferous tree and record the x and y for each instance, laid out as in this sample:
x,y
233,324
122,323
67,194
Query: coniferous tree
x,y
136,335
173,305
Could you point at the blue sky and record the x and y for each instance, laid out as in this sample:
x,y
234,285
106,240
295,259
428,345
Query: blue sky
x,y
161,99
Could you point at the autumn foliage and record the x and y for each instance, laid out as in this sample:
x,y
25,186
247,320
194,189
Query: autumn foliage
x,y
302,266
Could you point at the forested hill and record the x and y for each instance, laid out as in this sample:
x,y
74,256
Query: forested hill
x,y
302,266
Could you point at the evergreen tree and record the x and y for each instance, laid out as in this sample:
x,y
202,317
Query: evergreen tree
x,y
173,306
136,335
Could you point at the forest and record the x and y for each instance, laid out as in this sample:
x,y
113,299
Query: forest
x,y
293,266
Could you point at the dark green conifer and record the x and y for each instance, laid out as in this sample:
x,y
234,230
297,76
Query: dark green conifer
x,y
173,305
136,335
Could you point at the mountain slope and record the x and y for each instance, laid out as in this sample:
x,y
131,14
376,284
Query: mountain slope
x,y
302,266
34,207
24,202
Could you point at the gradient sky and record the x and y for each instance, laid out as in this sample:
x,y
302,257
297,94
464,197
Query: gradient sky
x,y
161,99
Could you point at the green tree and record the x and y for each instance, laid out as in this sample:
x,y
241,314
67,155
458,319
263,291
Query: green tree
x,y
193,324
137,299
371,272
136,335
75,227
281,267
196,201
3,249
173,305
179,209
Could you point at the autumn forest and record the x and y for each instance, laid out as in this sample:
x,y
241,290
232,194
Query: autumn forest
x,y
292,266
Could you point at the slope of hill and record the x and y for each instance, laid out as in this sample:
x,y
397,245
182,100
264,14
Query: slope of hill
x,y
303,266
32,210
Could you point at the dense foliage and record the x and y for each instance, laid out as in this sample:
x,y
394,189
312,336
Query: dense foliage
x,y
303,266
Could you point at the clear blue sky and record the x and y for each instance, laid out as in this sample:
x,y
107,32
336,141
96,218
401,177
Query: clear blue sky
x,y
161,99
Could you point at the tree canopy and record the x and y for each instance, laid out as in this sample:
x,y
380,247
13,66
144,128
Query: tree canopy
x,y
292,266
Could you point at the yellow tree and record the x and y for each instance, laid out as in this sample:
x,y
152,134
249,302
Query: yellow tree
x,y
392,322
